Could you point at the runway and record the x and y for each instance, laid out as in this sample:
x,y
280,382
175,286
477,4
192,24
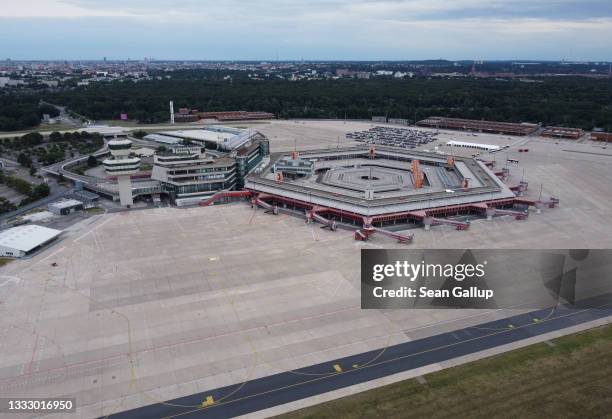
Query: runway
x,y
290,386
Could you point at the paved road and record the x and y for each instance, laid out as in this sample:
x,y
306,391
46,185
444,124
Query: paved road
x,y
289,386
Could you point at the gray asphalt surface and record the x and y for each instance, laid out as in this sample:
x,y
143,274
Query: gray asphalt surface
x,y
289,386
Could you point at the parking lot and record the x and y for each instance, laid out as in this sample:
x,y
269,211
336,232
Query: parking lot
x,y
393,137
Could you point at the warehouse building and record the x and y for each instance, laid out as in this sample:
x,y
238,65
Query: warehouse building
x,y
508,128
22,240
563,132
601,136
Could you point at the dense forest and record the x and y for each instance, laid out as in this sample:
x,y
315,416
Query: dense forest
x,y
22,111
576,102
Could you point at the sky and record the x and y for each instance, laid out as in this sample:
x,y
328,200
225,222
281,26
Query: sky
x,y
574,30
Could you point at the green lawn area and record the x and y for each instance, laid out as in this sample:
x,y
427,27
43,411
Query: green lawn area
x,y
5,261
119,123
57,127
95,210
573,379
44,128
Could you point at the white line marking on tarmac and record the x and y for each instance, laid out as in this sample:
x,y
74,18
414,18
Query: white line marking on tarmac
x,y
10,279
52,254
95,228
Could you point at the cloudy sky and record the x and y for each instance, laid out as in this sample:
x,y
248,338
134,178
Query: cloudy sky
x,y
308,29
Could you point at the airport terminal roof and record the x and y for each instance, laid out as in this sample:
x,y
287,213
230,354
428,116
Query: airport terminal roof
x,y
27,237
227,138
120,142
144,151
104,129
163,139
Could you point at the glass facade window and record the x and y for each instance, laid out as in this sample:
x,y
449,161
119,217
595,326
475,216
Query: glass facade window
x,y
121,169
202,187
119,146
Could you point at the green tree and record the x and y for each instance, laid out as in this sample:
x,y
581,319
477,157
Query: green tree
x,y
24,160
20,185
41,190
47,109
139,133
55,136
31,139
6,205
92,161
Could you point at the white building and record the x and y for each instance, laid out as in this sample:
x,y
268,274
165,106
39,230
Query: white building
x,y
21,240
484,147
65,206
122,166
186,172
214,137
108,132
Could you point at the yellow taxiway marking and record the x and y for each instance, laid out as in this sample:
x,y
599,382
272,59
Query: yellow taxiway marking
x,y
208,402
384,362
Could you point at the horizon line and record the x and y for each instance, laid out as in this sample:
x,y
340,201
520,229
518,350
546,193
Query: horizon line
x,y
293,60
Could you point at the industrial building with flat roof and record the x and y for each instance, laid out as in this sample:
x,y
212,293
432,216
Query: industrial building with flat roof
x,y
563,132
507,128
193,115
601,136
21,240
235,115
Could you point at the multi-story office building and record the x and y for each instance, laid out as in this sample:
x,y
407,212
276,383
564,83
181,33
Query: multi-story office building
x,y
185,173
190,173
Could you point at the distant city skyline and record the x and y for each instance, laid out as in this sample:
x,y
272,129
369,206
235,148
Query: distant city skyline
x,y
317,30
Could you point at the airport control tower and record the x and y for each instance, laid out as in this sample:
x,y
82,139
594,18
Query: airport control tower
x,y
123,166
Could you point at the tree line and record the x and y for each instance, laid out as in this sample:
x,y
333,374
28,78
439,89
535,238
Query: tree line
x,y
32,192
568,101
22,111
576,102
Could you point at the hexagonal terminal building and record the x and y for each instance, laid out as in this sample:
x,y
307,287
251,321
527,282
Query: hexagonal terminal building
x,y
367,186
123,166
